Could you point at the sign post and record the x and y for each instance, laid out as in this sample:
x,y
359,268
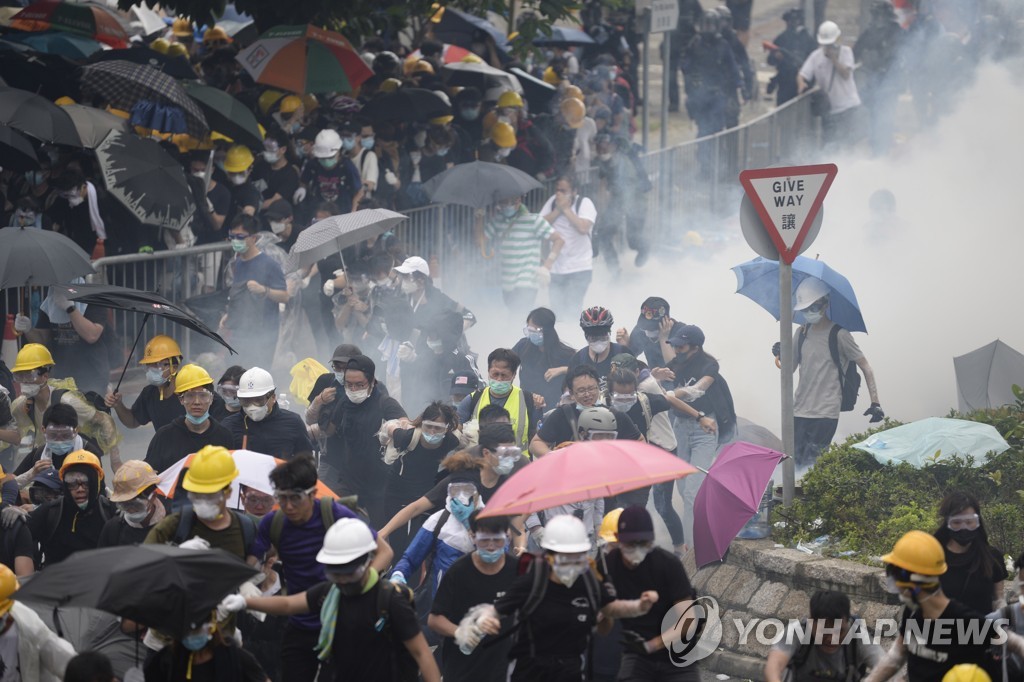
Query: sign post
x,y
787,201
664,18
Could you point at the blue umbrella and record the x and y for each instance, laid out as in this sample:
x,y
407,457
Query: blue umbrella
x,y
457,27
57,42
563,36
758,280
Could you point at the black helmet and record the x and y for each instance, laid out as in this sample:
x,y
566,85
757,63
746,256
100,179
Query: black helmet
x,y
794,15
708,23
387,64
724,17
883,10
596,317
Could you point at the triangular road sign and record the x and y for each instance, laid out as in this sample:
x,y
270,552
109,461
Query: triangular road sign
x,y
788,199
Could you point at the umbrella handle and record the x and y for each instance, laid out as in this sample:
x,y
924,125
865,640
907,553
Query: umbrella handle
x,y
484,253
132,352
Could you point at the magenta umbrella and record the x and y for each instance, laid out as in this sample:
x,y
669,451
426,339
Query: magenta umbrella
x,y
583,471
730,494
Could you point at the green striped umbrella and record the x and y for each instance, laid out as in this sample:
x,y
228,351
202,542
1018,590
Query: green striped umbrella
x,y
305,59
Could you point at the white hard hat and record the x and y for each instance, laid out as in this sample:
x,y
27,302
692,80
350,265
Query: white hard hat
x,y
810,290
345,541
254,383
327,144
413,264
828,33
565,534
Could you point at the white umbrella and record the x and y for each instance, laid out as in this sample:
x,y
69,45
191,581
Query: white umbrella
x,y
465,73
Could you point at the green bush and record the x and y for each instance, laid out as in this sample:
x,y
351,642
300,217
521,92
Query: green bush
x,y
864,506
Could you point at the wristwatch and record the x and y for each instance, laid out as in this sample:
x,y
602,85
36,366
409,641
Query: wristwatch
x,y
700,415
69,309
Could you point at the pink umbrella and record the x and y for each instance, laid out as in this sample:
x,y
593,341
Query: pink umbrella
x,y
730,494
585,471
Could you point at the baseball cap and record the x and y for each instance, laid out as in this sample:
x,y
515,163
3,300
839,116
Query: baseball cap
x,y
625,361
464,383
279,210
362,364
651,312
413,264
50,478
635,525
686,334
345,352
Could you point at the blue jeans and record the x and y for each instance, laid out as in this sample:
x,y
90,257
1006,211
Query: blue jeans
x,y
567,292
699,449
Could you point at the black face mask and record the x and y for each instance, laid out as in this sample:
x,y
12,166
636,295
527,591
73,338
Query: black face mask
x,y
964,536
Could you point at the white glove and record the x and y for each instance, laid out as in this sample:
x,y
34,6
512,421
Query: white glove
x,y
406,352
468,636
249,589
398,577
60,301
195,543
22,323
689,393
11,515
390,178
329,288
233,603
299,195
305,282
543,276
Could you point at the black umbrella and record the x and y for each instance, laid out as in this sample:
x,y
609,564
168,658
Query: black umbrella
x,y
463,29
146,180
137,301
478,184
94,124
563,36
48,75
406,104
538,94
16,152
39,257
226,115
175,67
37,117
163,587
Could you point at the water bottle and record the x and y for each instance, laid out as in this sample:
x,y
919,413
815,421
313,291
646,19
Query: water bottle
x,y
465,647
759,526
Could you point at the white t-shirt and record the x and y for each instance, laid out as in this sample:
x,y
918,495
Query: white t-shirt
x,y
577,254
842,94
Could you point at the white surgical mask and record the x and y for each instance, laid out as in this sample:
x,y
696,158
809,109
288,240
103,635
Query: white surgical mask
x,y
257,414
237,178
636,555
503,152
607,156
652,334
199,174
155,376
272,157
567,575
30,390
136,518
75,201
278,227
599,347
357,397
434,345
813,318
409,286
205,510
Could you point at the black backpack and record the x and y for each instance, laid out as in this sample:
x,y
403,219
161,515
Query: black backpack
x,y
187,520
849,379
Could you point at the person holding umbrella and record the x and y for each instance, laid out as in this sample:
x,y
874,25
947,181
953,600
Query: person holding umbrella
x,y
195,429
156,402
31,648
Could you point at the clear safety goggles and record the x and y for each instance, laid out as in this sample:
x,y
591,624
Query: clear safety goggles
x,y
284,497
59,433
509,451
214,498
259,401
135,506
76,480
563,560
463,492
196,397
228,391
623,397
27,377
527,330
963,522
433,427
602,435
490,540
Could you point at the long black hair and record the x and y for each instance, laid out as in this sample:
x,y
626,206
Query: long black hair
x,y
545,319
951,505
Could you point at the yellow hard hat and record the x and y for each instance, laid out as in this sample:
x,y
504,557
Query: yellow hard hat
x,y
8,586
63,101
159,45
131,479
510,98
574,111
81,458
472,59
238,159
918,552
177,50
423,66
693,238
310,102
216,33
182,27
551,77
32,356
290,104
159,348
268,99
610,526
212,469
966,672
503,135
442,120
191,376
390,85
574,92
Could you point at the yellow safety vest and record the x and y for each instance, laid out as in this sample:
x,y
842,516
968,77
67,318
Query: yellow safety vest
x,y
515,404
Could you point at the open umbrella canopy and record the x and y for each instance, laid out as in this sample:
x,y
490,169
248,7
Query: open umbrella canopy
x,y
87,19
38,257
175,67
37,117
585,471
729,495
478,75
305,59
70,45
537,93
331,235
478,184
460,28
406,104
226,115
758,280
146,180
933,439
449,54
163,587
94,124
563,36
16,152
985,377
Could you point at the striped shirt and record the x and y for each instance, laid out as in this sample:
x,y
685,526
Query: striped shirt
x,y
520,243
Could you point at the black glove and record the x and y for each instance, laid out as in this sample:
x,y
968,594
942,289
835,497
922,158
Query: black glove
x,y
777,348
875,411
633,643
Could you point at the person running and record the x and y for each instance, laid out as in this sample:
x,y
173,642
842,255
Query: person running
x,y
502,366
597,323
195,429
976,571
369,629
264,425
545,359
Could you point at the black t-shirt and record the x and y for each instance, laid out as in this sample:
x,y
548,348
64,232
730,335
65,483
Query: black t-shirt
x,y
717,400
534,365
417,471
932,652
117,533
658,405
461,588
659,571
16,541
149,407
356,450
967,583
359,651
175,441
560,627
339,184
558,429
229,663
282,433
283,181
88,363
603,368
242,196
220,198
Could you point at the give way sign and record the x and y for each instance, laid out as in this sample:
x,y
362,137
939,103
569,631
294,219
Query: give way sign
x,y
788,199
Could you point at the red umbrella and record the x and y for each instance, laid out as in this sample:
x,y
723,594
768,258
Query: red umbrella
x,y
585,471
449,54
89,20
730,494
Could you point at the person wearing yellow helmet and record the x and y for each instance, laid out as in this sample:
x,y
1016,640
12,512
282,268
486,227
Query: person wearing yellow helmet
x,y
214,39
195,428
289,113
38,652
140,505
74,521
156,402
177,51
208,484
913,571
245,197
159,45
